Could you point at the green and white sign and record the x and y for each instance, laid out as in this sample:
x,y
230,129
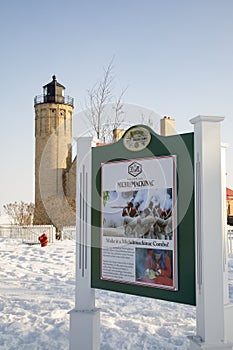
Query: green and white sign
x,y
143,216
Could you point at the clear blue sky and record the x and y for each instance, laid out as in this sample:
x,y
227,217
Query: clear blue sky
x,y
175,57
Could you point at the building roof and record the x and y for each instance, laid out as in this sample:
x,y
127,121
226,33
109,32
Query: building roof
x,y
229,193
54,82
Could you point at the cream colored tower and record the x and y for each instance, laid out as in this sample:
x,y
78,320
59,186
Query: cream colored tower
x,y
53,155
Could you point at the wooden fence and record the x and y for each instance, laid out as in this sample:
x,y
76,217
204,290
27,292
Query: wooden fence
x,y
28,234
68,232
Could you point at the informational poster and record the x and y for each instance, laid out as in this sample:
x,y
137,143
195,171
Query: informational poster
x,y
138,222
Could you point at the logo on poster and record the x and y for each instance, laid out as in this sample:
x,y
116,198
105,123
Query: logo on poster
x,y
135,169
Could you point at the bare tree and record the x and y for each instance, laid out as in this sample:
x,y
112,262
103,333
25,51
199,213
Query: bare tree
x,y
150,121
118,111
102,119
20,213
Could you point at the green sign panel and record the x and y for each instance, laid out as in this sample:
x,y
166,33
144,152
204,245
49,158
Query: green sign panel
x,y
143,216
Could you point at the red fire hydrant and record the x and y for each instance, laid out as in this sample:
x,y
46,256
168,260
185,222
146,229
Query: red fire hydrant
x,y
43,240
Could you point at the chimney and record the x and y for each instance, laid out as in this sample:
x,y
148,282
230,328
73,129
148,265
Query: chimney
x,y
167,126
117,134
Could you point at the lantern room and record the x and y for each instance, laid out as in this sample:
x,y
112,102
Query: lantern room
x,y
54,92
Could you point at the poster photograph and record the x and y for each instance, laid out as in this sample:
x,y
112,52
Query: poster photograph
x,y
138,223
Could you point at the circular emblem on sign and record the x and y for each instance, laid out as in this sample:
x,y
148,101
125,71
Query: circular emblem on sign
x,y
137,138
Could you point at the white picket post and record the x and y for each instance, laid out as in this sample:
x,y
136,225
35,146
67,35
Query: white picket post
x,y
209,243
85,318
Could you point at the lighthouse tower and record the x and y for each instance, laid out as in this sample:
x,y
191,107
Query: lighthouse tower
x,y
53,144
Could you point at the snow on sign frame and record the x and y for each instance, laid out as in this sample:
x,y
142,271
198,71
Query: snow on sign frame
x,y
143,216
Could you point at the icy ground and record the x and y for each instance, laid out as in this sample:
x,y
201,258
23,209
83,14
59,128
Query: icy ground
x,y
37,291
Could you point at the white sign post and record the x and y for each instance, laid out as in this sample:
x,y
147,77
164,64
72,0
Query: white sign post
x,y
224,226
228,307
211,320
85,317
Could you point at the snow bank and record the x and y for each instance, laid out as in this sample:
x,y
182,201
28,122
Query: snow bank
x,y
37,289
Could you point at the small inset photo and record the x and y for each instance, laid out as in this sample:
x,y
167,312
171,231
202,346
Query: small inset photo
x,y
154,267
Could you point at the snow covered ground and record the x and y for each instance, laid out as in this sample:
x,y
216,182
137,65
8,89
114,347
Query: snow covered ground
x,y
37,291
